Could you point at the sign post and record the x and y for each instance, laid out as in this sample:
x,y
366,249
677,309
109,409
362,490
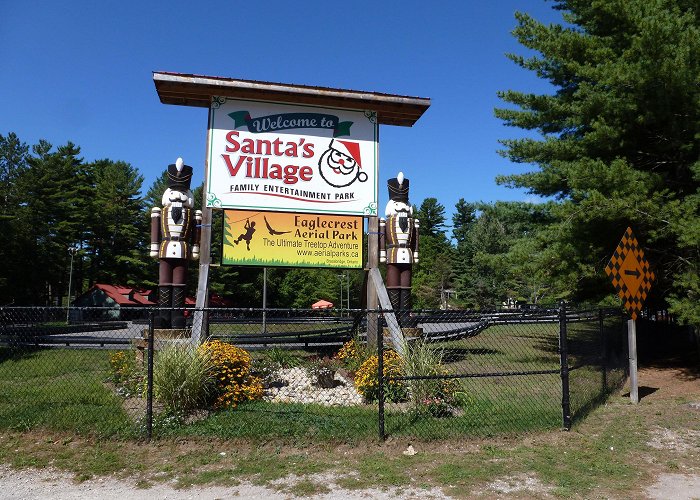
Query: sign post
x,y
631,276
280,147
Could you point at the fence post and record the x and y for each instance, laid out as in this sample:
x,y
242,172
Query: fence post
x,y
604,349
380,380
564,367
149,379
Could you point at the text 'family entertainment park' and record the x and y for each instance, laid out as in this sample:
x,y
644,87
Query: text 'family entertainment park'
x,y
295,170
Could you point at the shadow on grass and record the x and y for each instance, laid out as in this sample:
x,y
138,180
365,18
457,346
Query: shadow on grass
x,y
642,392
452,355
14,354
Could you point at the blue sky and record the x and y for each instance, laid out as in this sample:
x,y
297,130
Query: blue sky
x,y
81,71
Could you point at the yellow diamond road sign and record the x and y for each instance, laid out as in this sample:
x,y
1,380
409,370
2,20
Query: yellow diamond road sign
x,y
630,274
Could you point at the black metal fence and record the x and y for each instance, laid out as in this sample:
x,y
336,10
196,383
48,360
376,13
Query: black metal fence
x,y
500,372
306,374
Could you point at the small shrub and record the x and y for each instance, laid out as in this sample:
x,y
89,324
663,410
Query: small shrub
x,y
367,378
182,377
230,368
323,372
126,373
436,396
267,371
353,354
436,407
283,358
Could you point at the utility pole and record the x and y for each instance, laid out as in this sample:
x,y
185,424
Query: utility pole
x,y
72,251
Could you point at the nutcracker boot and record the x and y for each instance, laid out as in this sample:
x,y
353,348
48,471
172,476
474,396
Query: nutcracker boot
x,y
165,298
178,319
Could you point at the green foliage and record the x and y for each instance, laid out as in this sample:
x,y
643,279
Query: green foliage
x,y
182,379
118,231
128,375
432,395
433,273
354,353
619,141
282,358
53,201
367,378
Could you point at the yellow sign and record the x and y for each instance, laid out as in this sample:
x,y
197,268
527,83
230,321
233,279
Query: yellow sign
x,y
630,274
254,238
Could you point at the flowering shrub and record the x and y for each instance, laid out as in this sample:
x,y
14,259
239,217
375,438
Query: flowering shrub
x,y
353,354
230,369
436,396
126,374
437,407
120,366
367,378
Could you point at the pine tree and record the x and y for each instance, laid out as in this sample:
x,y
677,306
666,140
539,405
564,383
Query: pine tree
x,y
118,249
619,137
433,273
13,162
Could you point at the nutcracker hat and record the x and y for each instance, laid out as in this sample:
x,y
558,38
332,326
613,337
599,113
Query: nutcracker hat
x,y
179,175
398,188
348,148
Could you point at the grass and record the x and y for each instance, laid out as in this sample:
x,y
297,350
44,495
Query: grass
x,y
55,411
255,328
605,456
291,422
62,390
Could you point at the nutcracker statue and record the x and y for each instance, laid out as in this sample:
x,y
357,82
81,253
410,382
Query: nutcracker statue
x,y
398,246
175,231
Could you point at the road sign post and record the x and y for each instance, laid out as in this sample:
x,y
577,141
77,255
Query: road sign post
x,y
631,276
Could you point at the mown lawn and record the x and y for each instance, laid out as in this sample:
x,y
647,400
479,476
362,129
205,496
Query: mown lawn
x,y
65,390
60,389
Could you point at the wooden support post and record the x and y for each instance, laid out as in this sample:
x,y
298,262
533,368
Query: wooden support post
x,y
372,263
632,347
392,324
200,318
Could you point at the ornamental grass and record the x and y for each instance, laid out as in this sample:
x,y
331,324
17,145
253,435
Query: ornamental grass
x,y
182,379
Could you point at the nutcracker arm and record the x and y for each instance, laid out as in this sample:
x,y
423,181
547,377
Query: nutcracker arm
x,y
415,240
382,240
197,234
155,231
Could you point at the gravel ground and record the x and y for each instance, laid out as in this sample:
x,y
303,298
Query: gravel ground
x,y
47,484
52,484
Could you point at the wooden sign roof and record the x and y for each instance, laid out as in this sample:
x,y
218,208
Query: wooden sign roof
x,y
196,90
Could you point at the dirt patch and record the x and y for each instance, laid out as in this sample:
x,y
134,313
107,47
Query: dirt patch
x,y
522,484
52,484
679,442
676,486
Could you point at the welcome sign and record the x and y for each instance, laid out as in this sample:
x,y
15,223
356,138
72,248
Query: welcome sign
x,y
256,238
284,157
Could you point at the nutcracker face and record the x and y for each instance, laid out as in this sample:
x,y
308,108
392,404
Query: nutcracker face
x,y
174,197
398,207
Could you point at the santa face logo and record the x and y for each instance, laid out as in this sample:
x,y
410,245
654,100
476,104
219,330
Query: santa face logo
x,y
340,165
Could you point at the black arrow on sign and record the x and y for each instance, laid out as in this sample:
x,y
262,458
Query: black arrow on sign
x,y
634,273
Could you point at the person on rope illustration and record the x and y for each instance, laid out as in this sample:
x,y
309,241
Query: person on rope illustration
x,y
248,235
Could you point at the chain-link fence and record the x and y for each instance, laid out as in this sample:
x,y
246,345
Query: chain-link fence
x,y
499,372
304,374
